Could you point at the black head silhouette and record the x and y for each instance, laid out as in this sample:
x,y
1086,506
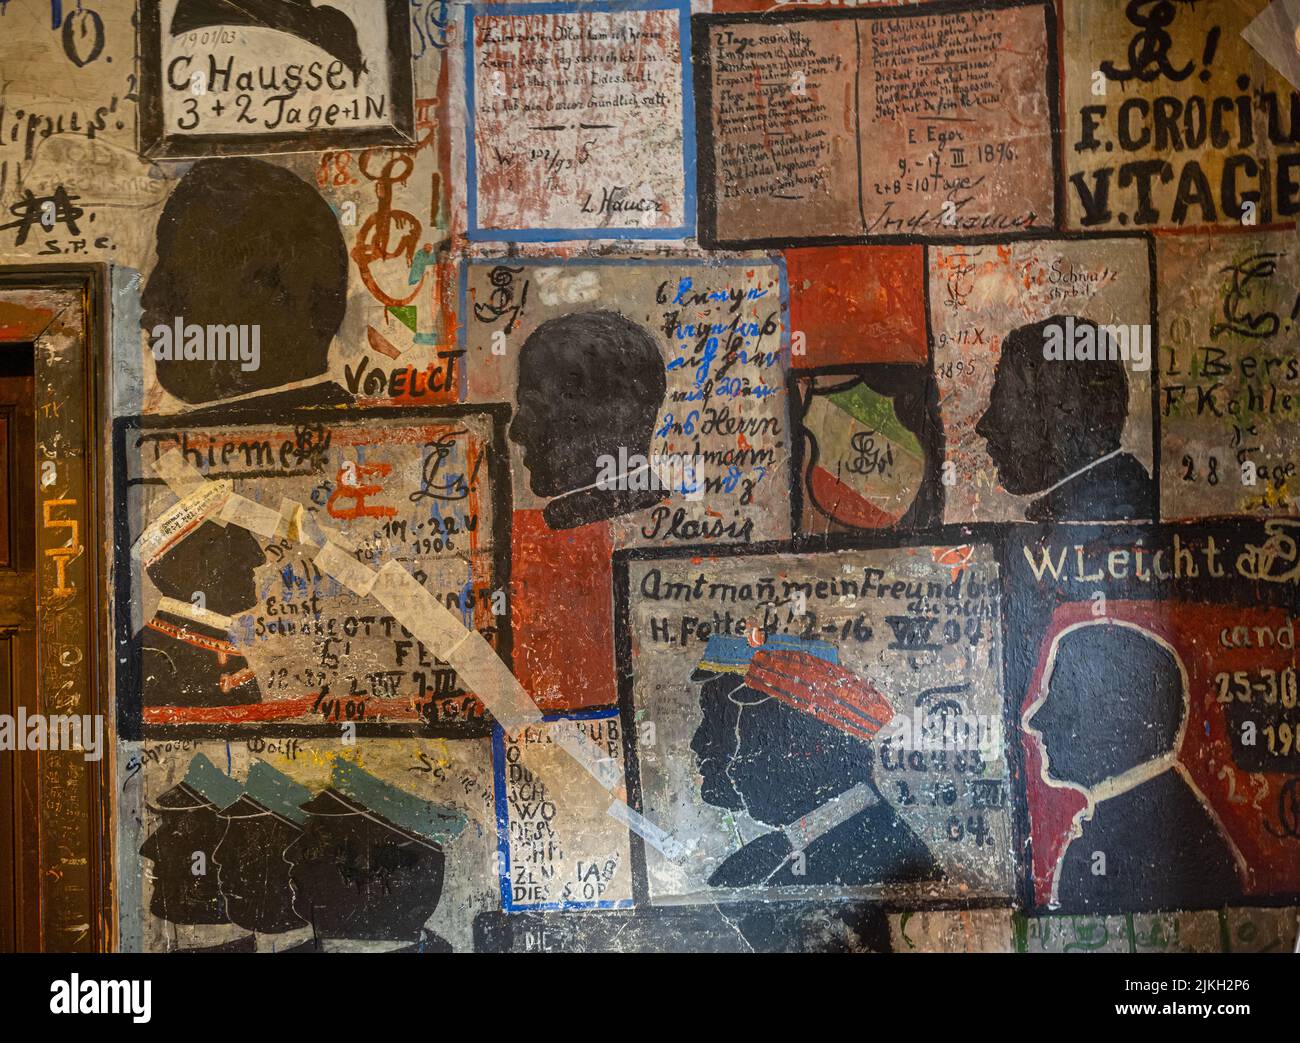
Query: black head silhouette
x,y
760,755
186,889
1050,418
590,385
253,873
785,731
1116,698
215,560
370,862
251,867
242,242
184,653
1111,723
356,875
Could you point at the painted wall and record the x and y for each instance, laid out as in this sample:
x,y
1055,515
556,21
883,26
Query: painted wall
x,y
632,476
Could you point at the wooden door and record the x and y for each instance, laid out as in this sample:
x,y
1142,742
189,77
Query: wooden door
x,y
55,840
19,922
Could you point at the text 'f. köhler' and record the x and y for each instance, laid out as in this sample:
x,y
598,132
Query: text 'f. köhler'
x,y
1094,342
212,343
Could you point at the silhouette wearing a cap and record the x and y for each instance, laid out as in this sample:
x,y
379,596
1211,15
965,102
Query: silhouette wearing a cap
x,y
185,653
590,385
369,865
244,242
788,747
252,871
325,27
1053,429
185,885
1111,724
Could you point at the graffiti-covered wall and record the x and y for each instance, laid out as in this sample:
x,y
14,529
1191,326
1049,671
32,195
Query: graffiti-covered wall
x,y
663,475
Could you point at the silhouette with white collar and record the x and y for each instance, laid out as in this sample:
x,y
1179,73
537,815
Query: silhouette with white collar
x,y
1110,724
1054,430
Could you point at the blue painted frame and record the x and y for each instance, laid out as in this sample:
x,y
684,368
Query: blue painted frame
x,y
503,820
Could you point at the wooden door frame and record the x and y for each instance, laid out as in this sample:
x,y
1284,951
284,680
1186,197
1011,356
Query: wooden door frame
x,y
64,840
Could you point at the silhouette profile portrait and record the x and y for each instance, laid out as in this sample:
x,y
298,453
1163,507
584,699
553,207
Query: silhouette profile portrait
x,y
242,242
784,731
1054,429
252,871
186,657
325,27
370,862
1110,723
185,885
590,385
